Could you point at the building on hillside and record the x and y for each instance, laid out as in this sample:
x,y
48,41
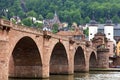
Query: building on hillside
x,y
48,23
107,29
15,19
93,29
118,48
116,34
76,34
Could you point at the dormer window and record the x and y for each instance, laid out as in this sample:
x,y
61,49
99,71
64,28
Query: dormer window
x,y
108,33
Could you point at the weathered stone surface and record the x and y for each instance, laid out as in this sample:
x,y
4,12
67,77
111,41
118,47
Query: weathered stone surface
x,y
26,52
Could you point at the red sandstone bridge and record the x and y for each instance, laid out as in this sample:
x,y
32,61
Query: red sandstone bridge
x,y
28,52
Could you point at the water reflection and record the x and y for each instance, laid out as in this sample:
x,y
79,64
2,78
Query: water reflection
x,y
98,76
83,76
53,77
62,77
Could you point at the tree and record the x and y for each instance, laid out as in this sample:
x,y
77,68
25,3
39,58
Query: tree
x,y
116,19
41,17
32,14
55,28
38,25
49,15
87,19
27,22
86,31
70,11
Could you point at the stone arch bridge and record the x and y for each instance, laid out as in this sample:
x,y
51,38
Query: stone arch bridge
x,y
28,52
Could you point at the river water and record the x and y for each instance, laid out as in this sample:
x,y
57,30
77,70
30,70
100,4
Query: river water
x,y
83,76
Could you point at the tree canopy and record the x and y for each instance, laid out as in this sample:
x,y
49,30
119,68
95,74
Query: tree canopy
x,y
79,11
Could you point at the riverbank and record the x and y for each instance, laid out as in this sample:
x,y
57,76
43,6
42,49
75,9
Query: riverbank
x,y
104,69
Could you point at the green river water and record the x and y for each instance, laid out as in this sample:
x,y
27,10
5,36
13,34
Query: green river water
x,y
83,76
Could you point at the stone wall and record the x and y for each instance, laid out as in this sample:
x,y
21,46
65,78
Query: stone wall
x,y
103,58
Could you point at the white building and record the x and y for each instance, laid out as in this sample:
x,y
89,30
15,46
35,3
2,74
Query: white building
x,y
93,29
107,29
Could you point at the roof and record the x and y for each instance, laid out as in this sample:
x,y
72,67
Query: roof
x,y
93,23
101,26
109,22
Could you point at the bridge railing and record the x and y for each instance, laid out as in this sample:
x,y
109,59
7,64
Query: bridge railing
x,y
55,35
27,29
19,27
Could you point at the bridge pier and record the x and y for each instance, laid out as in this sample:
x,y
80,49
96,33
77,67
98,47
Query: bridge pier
x,y
3,60
45,71
71,59
45,65
103,58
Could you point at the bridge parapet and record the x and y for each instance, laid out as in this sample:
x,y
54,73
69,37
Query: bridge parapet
x,y
5,23
80,42
27,29
30,29
55,35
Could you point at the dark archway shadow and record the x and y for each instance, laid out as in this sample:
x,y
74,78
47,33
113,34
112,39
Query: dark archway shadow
x,y
25,60
79,60
59,60
92,61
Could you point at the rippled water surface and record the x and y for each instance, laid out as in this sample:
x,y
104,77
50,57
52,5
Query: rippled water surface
x,y
83,76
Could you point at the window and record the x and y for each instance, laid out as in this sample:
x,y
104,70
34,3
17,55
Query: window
x,y
77,37
108,33
90,33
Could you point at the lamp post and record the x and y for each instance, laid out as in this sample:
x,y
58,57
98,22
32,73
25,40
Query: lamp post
x,y
6,13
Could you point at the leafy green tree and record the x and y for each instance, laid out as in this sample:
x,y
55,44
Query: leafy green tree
x,y
101,20
38,25
49,15
55,28
27,22
32,14
87,19
41,17
86,31
116,19
79,11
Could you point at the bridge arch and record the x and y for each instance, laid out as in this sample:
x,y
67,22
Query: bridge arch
x,y
93,60
25,59
79,60
58,59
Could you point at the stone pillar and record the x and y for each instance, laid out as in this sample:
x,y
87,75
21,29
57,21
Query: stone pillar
x,y
4,60
45,65
45,70
86,66
4,52
86,69
71,59
103,58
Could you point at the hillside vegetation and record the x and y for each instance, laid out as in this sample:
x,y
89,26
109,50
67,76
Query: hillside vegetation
x,y
79,11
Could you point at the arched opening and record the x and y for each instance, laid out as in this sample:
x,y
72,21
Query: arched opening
x,y
59,60
25,60
93,61
79,60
